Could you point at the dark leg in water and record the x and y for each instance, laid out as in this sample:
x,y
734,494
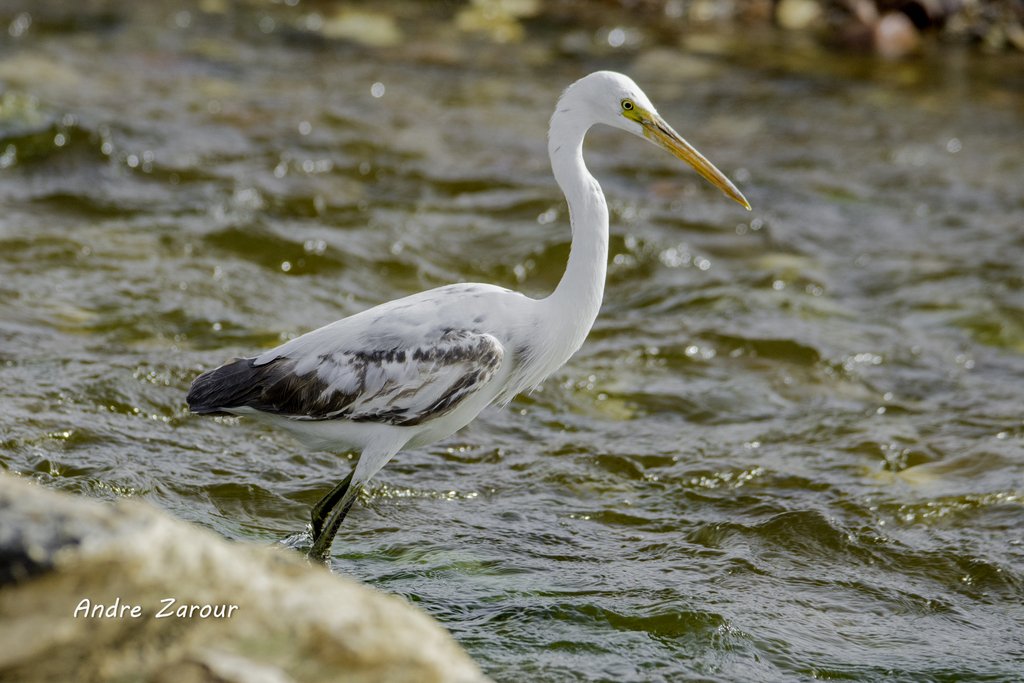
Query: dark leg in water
x,y
328,514
327,503
342,503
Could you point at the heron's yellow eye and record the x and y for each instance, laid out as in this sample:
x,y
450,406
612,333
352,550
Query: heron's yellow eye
x,y
627,105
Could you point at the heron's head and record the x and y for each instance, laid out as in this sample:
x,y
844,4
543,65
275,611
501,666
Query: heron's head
x,y
617,101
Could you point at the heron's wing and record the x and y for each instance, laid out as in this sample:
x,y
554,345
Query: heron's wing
x,y
400,385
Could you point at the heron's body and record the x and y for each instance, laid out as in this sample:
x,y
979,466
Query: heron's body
x,y
415,370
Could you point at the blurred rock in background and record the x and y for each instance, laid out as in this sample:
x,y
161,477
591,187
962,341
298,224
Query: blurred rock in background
x,y
891,28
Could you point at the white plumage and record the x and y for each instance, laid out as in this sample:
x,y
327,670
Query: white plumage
x,y
415,370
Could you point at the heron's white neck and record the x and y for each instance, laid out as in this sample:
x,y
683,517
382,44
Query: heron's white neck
x,y
574,305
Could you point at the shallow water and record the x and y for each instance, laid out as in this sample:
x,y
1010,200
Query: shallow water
x,y
792,447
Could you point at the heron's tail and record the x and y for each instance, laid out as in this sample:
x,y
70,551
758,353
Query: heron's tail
x,y
232,385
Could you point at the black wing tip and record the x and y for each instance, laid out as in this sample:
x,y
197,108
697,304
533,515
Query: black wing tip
x,y
212,412
220,388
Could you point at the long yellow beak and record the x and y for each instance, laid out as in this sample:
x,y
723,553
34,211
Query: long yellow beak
x,y
659,132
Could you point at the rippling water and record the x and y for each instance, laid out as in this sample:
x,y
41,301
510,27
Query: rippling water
x,y
792,447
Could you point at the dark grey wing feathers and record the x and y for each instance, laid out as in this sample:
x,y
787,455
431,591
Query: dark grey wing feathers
x,y
229,386
394,386
270,388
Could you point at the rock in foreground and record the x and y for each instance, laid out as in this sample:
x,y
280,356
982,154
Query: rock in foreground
x,y
179,604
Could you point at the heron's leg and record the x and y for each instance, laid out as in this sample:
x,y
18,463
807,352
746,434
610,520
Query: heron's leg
x,y
322,542
338,502
327,503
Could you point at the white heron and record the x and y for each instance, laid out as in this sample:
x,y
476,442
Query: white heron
x,y
412,371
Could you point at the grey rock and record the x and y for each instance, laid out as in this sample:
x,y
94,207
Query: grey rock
x,y
61,557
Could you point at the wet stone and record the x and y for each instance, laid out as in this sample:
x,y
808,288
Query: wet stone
x,y
91,590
